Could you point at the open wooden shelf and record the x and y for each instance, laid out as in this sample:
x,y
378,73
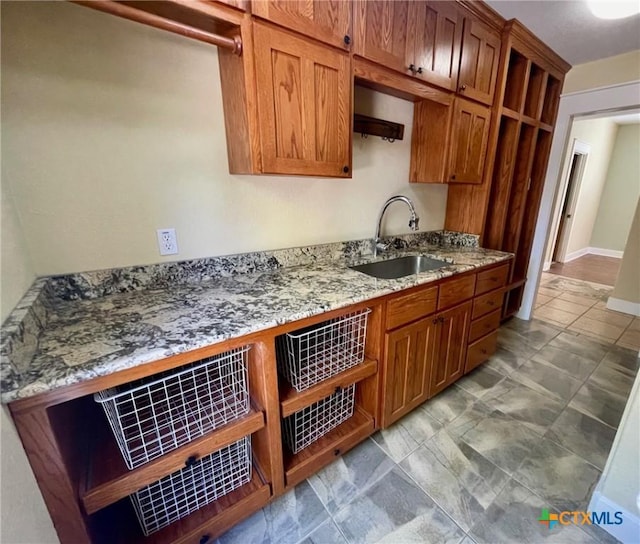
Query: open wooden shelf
x,y
292,401
108,479
210,521
336,442
511,114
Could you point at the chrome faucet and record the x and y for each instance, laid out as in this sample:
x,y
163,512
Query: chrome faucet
x,y
413,221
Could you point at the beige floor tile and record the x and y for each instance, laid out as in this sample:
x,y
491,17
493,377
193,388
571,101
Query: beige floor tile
x,y
586,325
548,292
546,277
542,299
578,299
609,316
566,306
630,339
546,312
601,305
635,325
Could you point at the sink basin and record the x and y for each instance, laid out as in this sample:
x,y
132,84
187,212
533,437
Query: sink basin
x,y
400,267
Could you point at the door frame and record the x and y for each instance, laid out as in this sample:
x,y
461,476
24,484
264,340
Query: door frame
x,y
562,237
611,98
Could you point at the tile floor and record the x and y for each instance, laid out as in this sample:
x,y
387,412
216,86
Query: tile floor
x,y
530,429
580,306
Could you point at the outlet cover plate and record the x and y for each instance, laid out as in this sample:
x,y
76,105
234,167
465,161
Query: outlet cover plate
x,y
167,242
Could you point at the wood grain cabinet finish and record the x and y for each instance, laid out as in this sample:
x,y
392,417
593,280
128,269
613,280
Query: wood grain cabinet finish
x,y
481,350
451,347
409,354
436,28
381,33
469,139
479,62
326,20
304,105
420,39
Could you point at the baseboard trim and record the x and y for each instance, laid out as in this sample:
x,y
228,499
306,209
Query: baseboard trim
x,y
623,306
628,531
576,254
592,251
605,252
546,266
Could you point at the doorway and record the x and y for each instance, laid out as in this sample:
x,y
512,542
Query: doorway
x,y
571,189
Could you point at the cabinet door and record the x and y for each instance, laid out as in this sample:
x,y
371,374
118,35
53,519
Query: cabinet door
x,y
469,138
479,62
451,347
325,20
409,354
382,33
304,105
436,28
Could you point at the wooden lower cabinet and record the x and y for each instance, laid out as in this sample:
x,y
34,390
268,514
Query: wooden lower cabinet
x,y
481,350
409,352
451,347
422,359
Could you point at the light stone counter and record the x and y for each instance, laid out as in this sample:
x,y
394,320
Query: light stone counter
x,y
74,328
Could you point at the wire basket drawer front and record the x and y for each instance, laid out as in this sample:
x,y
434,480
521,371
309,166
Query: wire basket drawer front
x,y
311,423
185,491
155,415
309,356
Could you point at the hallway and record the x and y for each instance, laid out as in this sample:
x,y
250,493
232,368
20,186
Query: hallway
x,y
593,268
580,307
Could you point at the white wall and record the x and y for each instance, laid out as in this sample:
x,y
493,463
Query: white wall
x,y
16,272
603,72
621,191
113,129
625,296
600,135
619,485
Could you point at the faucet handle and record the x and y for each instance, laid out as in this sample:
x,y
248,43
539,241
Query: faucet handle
x,y
414,222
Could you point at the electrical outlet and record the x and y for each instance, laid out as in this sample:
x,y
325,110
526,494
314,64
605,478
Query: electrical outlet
x,y
167,241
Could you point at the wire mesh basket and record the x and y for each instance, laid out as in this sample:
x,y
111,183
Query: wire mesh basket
x,y
202,482
313,354
155,415
309,424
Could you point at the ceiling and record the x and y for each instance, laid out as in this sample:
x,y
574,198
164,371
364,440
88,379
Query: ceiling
x,y
569,28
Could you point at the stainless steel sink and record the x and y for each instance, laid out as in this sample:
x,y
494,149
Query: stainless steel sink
x,y
400,267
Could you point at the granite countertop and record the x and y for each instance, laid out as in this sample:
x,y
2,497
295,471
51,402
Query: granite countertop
x,y
78,327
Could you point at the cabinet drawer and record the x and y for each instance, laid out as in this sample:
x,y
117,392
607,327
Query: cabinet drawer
x,y
480,351
487,303
408,308
456,290
492,279
484,325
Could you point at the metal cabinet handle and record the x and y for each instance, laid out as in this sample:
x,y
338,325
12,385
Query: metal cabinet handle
x,y
347,40
412,68
463,88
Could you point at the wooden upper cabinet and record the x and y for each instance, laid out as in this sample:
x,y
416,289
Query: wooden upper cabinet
x,y
436,31
479,62
381,33
326,20
304,105
469,139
